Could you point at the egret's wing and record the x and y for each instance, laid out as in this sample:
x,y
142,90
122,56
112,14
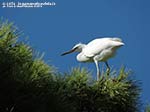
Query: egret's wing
x,y
98,45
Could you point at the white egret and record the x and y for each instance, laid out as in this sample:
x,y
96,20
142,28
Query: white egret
x,y
98,50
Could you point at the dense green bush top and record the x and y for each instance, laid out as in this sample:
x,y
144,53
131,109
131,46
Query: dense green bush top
x,y
28,84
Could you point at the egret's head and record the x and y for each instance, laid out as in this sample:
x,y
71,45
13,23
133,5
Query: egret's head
x,y
77,48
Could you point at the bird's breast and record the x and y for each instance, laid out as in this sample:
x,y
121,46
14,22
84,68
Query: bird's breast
x,y
83,58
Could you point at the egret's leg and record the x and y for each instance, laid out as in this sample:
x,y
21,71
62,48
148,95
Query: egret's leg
x,y
107,65
108,68
97,67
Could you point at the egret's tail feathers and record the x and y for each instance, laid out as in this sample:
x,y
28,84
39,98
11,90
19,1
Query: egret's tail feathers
x,y
117,39
122,44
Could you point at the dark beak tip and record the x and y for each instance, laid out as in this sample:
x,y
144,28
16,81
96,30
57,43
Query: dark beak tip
x,y
62,55
68,52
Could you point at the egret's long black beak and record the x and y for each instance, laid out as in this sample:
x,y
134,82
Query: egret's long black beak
x,y
68,52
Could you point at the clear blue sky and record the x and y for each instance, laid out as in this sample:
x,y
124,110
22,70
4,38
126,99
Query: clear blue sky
x,y
54,30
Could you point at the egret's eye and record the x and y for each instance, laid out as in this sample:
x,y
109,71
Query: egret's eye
x,y
76,48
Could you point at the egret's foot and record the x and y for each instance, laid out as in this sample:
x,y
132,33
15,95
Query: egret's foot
x,y
108,71
98,76
102,78
108,68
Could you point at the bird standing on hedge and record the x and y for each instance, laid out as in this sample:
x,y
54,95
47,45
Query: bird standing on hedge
x,y
98,50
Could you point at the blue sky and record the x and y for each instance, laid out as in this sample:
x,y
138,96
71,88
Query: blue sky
x,y
56,29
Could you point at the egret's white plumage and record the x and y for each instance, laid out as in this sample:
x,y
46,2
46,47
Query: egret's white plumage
x,y
100,49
